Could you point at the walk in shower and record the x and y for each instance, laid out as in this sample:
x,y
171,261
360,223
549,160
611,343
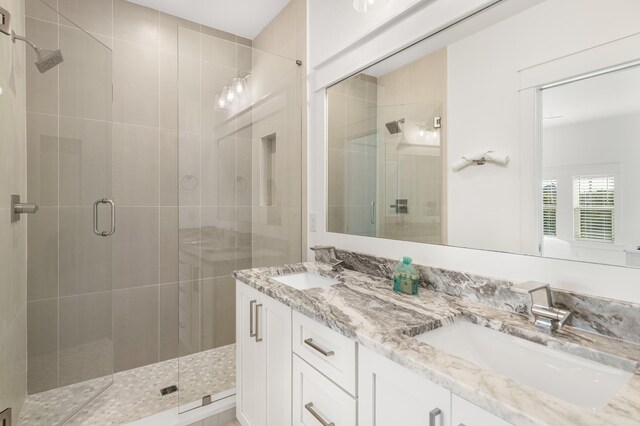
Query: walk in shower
x,y
160,164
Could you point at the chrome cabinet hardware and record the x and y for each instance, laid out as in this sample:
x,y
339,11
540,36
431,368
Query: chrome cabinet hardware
x,y
435,417
252,332
112,206
18,208
314,413
318,348
258,338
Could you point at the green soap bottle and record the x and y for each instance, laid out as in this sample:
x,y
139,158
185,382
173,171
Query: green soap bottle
x,y
405,278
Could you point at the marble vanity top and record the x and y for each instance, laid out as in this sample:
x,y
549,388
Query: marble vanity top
x,y
366,309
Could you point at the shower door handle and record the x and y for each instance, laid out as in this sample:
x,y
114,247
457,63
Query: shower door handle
x,y
373,212
112,206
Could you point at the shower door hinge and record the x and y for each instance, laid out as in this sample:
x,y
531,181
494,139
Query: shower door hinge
x,y
5,417
206,400
5,26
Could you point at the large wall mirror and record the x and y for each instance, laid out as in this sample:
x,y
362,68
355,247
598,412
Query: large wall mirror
x,y
516,130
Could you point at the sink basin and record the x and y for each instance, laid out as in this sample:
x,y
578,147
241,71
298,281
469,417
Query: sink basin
x,y
305,280
574,379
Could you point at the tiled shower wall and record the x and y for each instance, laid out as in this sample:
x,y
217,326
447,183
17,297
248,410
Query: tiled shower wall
x,y
13,236
144,252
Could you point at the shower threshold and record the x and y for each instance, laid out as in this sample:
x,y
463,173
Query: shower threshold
x,y
135,394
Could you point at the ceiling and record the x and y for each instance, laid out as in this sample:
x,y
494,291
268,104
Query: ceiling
x,y
606,95
245,18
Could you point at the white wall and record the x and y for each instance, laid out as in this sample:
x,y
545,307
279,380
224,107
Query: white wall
x,y
571,25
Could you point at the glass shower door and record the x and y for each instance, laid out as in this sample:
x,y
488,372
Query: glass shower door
x,y
71,238
239,193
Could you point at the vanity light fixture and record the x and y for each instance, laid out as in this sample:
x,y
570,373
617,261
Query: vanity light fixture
x,y
221,101
365,6
238,85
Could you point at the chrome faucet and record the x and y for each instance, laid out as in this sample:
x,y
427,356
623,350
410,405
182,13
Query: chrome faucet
x,y
336,264
546,316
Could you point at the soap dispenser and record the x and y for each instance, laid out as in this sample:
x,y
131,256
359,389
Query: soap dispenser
x,y
405,278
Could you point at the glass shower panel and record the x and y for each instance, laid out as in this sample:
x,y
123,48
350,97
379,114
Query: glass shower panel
x,y
70,254
412,172
239,193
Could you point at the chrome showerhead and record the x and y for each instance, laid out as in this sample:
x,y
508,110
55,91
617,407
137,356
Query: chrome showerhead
x,y
394,126
47,59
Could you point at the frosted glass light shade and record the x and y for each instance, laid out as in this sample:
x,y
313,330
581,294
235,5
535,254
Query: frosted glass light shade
x,y
365,6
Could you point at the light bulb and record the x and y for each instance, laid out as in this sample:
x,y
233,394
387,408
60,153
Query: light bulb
x,y
421,132
237,85
230,95
221,101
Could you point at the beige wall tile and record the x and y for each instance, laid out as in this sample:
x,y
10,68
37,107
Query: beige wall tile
x,y
42,245
218,241
169,25
42,159
168,168
86,346
94,16
135,84
136,247
85,258
135,327
85,161
85,76
169,91
188,317
218,171
169,244
13,365
189,174
168,346
136,165
40,10
189,115
42,318
135,23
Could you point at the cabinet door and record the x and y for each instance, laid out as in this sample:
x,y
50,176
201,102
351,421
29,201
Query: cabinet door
x,y
317,400
274,328
390,395
251,372
467,414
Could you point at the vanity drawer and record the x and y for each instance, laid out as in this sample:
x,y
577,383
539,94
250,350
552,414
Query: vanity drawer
x,y
333,354
317,400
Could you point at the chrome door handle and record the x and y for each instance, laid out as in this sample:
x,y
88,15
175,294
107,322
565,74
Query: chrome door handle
x,y
252,332
314,413
373,212
435,414
112,229
258,338
318,348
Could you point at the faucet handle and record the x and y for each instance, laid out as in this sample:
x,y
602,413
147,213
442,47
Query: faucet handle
x,y
540,292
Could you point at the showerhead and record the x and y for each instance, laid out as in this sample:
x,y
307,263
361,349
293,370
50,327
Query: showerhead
x,y
48,59
394,126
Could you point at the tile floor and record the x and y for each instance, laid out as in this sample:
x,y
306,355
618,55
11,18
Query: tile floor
x,y
135,394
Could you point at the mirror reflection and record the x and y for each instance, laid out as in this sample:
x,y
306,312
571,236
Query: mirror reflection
x,y
501,133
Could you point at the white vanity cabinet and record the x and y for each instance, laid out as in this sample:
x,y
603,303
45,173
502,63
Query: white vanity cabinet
x,y
393,395
263,359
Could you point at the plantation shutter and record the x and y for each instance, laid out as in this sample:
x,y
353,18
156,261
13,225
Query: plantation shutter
x,y
549,206
594,208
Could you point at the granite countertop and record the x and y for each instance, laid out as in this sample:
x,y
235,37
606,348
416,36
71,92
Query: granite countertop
x,y
366,309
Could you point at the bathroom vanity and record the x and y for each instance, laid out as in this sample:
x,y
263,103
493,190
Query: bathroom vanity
x,y
319,347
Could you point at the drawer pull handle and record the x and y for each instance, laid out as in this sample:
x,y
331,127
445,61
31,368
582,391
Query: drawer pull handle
x,y
258,338
318,417
252,332
435,414
318,348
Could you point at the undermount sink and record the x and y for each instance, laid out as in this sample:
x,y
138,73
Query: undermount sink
x,y
305,280
574,379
